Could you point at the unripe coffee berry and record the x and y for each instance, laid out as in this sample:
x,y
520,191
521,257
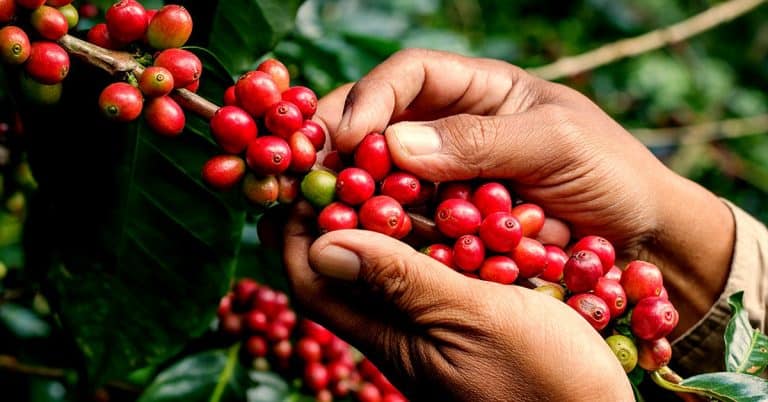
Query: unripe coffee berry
x,y
261,190
184,65
372,154
355,186
530,257
126,21
556,259
456,217
468,253
256,92
233,129
582,271
314,132
531,218
48,63
402,186
441,253
223,172
500,232
499,269
156,81
121,102
283,119
49,22
319,187
653,318
653,355
70,13
552,290
304,98
641,279
99,36
164,116
278,72
382,214
600,246
170,27
613,294
337,216
303,154
625,351
14,45
268,155
38,93
492,197
592,308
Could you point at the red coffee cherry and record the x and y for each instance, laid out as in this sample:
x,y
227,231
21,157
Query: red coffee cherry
x,y
48,63
14,45
600,246
283,350
468,253
653,318
303,154
592,308
500,232
317,332
49,22
223,172
582,271
126,21
333,161
382,214
170,27
354,186
456,217
368,393
286,317
405,228
164,116
261,190
256,321
283,119
402,186
30,4
492,197
531,218
373,155
278,72
530,257
277,332
243,292
230,99
155,82
309,350
314,132
268,155
641,279
440,252
556,259
256,92
337,216
233,129
231,324
99,36
7,10
457,189
613,294
256,346
58,3
499,269
185,67
393,398
315,376
121,102
289,188
304,98
225,306
614,274
88,10
653,355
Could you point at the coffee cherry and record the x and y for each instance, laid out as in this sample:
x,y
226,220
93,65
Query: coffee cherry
x,y
309,350
256,321
40,94
304,98
7,10
402,186
468,253
230,99
170,27
405,228
30,4
58,3
319,187
225,306
664,295
283,350
598,245
368,393
185,67
261,190
641,279
556,259
231,324
614,274
315,376
427,190
256,346
333,161
339,371
373,155
613,294
554,232
492,197
289,188
49,22
552,290
440,252
121,102
457,189
48,63
393,398
592,308
243,292
14,45
382,214
286,317
624,349
278,72
456,217
303,154
256,92
268,155
70,14
99,36
653,318
314,132
337,216
582,271
499,269
317,332
277,332
531,218
283,119
88,10
653,355
155,82
266,300
500,232
530,257
164,116
223,172
233,129
355,186
126,21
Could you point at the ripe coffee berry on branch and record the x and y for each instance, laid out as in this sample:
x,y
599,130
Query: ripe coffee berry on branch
x,y
99,36
304,98
49,22
165,116
500,232
582,271
456,217
48,63
126,21
403,187
156,81
185,67
283,119
641,279
303,154
224,171
14,45
530,256
653,318
121,102
278,72
233,129
354,186
492,197
314,132
598,245
256,92
170,27
261,190
30,4
268,155
7,10
337,216
593,308
383,214
38,93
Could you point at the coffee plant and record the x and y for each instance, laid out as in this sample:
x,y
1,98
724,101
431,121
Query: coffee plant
x,y
166,140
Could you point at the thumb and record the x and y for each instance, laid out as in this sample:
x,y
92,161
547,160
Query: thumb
x,y
393,271
466,146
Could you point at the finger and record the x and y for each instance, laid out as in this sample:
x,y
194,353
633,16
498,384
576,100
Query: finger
x,y
330,108
426,80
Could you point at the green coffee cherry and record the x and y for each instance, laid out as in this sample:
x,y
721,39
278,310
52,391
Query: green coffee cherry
x,y
624,349
319,187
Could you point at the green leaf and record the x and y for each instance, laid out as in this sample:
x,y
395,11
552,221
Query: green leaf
x,y
727,387
746,349
209,376
243,30
22,322
267,387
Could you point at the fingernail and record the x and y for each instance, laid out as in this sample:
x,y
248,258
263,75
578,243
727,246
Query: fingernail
x,y
337,262
416,139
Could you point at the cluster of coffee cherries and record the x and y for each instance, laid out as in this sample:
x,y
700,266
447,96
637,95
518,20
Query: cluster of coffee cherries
x,y
129,25
265,126
45,64
274,338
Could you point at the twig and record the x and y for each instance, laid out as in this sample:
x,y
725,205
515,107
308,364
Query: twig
x,y
656,39
9,363
703,132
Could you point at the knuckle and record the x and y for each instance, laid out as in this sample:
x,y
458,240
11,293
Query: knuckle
x,y
389,278
472,139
